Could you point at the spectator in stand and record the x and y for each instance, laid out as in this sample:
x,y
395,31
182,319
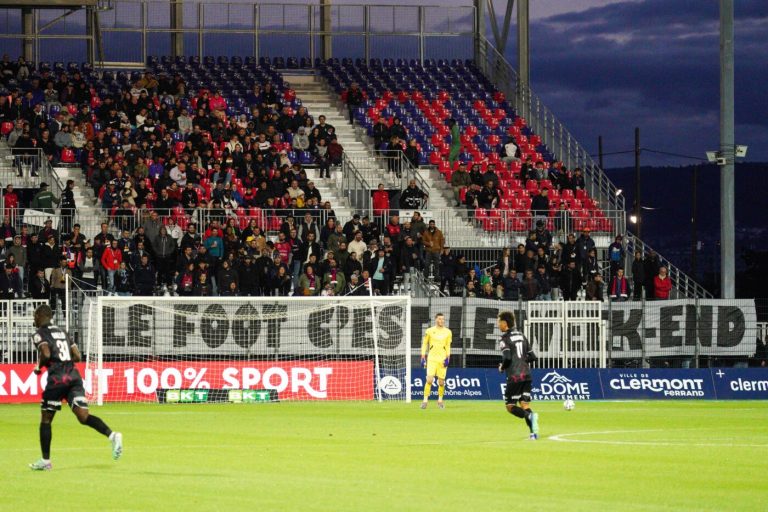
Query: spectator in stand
x,y
590,267
505,262
412,153
58,283
460,179
11,202
322,159
300,141
335,152
584,244
616,255
545,284
380,269
651,266
570,281
662,284
10,284
381,203
489,196
395,149
594,289
488,292
511,285
531,288
638,275
39,287
434,243
490,175
539,172
309,283
476,175
619,289
144,277
89,270
67,207
354,100
111,259
398,130
540,206
19,254
510,152
413,197
381,133
472,200
44,199
577,181
453,156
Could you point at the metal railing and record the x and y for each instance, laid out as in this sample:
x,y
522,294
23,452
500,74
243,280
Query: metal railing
x,y
555,136
684,286
354,186
133,30
393,170
16,330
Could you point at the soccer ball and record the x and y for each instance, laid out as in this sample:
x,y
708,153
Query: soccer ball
x,y
569,404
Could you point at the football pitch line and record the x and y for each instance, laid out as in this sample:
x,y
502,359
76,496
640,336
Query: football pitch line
x,y
569,438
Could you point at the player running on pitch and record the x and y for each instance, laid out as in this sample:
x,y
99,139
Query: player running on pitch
x,y
516,355
59,355
437,340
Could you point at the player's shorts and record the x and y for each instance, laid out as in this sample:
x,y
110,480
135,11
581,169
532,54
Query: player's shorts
x,y
519,391
59,387
437,368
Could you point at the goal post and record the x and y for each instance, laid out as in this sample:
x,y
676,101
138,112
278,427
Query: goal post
x,y
235,349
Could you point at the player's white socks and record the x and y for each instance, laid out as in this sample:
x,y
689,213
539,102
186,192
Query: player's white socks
x,y
112,436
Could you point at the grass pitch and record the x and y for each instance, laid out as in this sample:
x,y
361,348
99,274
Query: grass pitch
x,y
473,456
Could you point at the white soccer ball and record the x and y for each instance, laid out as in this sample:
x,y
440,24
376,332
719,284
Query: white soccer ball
x,y
569,404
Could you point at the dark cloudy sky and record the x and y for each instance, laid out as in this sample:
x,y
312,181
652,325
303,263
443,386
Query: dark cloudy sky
x,y
605,66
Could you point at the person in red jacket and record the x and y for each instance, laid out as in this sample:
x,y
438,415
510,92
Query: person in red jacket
x,y
110,261
662,285
381,201
11,201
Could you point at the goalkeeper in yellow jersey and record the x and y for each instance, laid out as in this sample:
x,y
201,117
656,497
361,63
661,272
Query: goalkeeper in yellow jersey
x,y
435,356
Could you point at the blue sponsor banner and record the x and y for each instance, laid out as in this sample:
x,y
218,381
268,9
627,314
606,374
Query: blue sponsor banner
x,y
460,384
561,384
657,383
606,384
740,383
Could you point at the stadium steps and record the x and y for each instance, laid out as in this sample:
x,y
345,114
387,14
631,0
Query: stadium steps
x,y
88,213
359,147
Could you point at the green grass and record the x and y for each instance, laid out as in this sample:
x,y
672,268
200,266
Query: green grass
x,y
473,456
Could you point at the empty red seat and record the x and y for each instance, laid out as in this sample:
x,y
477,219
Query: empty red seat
x,y
581,194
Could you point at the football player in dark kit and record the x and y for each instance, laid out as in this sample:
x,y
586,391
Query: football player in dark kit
x,y
59,355
516,354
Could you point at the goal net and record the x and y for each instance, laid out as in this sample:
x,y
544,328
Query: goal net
x,y
247,349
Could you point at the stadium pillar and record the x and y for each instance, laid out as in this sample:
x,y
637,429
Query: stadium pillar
x,y
638,225
28,29
326,27
727,151
523,56
600,151
694,227
90,31
177,23
479,29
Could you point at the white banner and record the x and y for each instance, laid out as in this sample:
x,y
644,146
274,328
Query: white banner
x,y
242,327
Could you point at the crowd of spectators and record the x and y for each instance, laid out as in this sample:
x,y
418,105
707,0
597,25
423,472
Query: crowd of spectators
x,y
541,269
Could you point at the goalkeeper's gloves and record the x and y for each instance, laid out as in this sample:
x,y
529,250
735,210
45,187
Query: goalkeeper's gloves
x,y
447,360
423,362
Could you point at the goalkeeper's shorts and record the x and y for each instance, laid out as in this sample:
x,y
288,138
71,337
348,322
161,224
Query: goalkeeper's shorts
x,y
436,368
